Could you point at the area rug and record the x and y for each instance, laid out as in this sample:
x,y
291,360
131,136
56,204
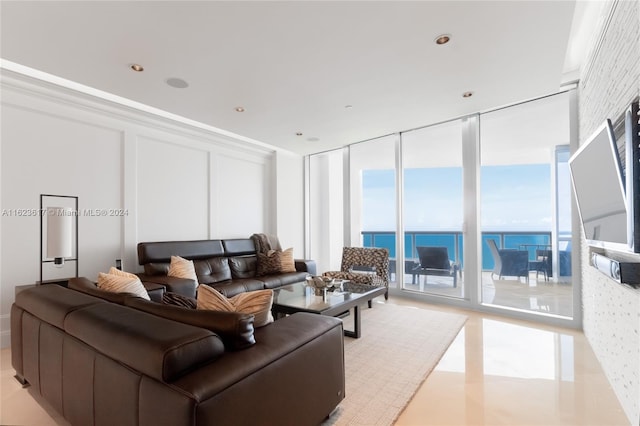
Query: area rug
x,y
399,347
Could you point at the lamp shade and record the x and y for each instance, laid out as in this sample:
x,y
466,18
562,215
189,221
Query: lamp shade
x,y
59,232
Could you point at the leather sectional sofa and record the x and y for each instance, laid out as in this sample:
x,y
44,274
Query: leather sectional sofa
x,y
229,266
127,361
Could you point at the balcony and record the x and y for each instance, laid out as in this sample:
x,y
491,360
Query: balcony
x,y
534,292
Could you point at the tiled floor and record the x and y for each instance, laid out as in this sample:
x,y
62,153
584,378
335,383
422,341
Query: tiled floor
x,y
496,372
508,372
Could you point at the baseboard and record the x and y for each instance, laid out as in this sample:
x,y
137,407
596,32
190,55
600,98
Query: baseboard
x,y
5,339
5,333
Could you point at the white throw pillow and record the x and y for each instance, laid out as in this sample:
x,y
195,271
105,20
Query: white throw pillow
x,y
122,282
257,303
182,268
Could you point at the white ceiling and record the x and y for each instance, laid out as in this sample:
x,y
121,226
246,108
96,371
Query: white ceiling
x,y
294,66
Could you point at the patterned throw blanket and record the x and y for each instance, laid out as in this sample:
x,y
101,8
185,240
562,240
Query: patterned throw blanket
x,y
264,243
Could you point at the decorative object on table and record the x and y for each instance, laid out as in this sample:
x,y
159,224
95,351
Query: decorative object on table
x,y
320,284
59,223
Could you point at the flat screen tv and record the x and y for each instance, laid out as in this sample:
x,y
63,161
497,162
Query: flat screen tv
x,y
598,182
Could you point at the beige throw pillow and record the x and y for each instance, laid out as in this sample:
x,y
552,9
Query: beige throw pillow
x,y
257,303
182,268
117,281
287,261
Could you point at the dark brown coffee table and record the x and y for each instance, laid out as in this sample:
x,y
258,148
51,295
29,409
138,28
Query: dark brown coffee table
x,y
298,297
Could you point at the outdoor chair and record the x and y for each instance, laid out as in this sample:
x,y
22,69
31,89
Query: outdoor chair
x,y
435,261
409,268
509,262
542,263
364,265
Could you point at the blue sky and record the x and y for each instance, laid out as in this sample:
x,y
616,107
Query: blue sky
x,y
513,198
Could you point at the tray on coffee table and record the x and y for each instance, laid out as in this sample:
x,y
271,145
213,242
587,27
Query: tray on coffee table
x,y
298,297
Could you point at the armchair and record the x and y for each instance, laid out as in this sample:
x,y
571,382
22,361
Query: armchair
x,y
364,265
509,262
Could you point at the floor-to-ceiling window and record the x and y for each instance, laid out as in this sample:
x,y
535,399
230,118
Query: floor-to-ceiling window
x,y
433,209
373,196
487,196
525,207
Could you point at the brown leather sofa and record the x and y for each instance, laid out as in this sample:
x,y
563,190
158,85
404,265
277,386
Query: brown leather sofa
x,y
229,266
99,362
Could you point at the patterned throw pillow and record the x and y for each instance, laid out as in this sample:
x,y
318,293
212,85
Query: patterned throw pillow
x,y
175,299
257,303
182,268
117,281
276,262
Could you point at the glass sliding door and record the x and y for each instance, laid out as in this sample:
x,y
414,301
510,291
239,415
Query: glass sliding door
x,y
433,210
373,196
525,207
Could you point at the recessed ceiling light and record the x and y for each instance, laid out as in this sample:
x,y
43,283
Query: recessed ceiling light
x,y
298,133
467,94
178,83
348,106
239,109
137,67
443,39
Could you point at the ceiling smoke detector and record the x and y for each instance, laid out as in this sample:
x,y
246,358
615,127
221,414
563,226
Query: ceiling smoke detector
x,y
178,83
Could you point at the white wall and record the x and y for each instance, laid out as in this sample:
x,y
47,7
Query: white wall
x,y
174,181
609,81
326,207
289,170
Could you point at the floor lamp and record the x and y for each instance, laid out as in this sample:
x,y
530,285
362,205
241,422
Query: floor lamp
x,y
61,222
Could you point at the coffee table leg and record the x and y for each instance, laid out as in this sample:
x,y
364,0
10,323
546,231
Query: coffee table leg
x,y
356,324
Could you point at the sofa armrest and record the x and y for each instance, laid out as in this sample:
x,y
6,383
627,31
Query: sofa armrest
x,y
183,286
306,265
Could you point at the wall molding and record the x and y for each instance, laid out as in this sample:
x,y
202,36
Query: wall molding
x,y
120,109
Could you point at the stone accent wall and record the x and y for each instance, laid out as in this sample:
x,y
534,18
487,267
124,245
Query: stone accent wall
x,y
609,82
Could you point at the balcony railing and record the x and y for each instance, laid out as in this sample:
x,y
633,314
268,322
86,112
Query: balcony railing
x,y
454,242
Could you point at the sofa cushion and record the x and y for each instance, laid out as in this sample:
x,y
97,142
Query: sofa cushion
x,y
155,346
212,270
121,282
235,329
257,303
275,281
182,268
161,251
243,266
239,285
156,268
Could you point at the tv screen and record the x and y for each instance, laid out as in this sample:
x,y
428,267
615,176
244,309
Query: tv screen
x,y
597,179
